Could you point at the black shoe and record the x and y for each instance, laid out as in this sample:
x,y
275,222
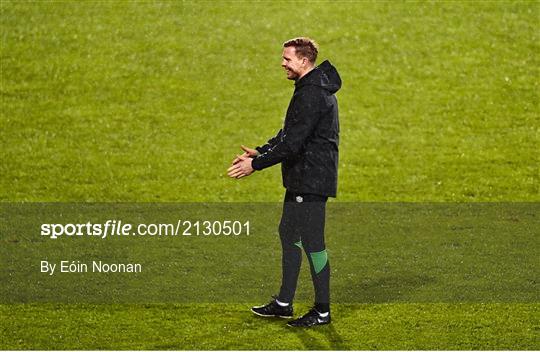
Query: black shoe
x,y
273,309
311,318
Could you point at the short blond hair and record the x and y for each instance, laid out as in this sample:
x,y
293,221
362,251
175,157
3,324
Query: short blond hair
x,y
305,47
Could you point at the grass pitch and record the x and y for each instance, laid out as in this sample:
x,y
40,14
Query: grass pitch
x,y
199,326
148,101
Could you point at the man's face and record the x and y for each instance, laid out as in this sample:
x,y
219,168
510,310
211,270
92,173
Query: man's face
x,y
294,67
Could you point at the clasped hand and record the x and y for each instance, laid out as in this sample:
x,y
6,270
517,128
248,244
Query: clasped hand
x,y
241,165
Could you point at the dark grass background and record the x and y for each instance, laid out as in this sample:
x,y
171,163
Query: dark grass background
x,y
380,253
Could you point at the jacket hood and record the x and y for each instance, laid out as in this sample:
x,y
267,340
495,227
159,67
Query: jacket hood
x,y
325,75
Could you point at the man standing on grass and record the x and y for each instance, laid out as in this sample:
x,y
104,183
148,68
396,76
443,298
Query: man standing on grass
x,y
307,148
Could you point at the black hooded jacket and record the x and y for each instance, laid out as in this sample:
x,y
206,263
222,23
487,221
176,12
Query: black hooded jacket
x,y
307,145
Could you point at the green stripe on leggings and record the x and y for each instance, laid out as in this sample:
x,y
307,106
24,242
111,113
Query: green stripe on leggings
x,y
319,260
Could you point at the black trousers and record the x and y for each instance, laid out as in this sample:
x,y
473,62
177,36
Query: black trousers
x,y
302,227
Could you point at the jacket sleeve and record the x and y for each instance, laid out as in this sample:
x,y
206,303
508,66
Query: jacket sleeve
x,y
299,125
271,142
